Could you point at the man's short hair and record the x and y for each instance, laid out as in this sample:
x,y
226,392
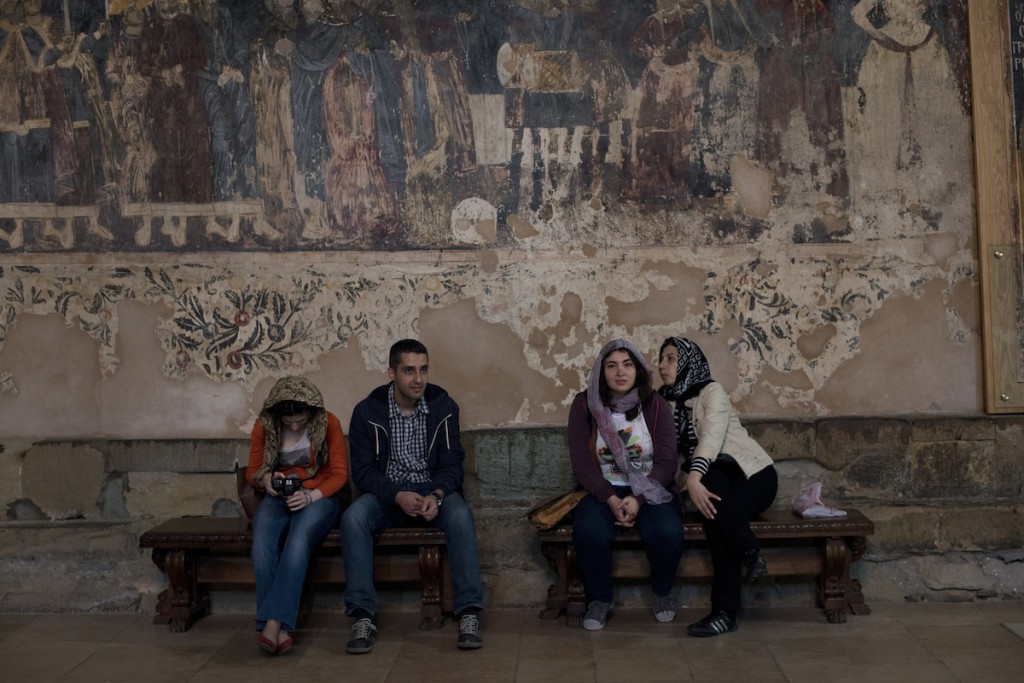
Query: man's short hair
x,y
402,347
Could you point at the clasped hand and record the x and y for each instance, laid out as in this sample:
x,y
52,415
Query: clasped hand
x,y
415,505
624,510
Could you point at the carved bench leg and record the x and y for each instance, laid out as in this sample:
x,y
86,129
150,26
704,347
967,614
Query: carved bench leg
x,y
558,592
854,594
837,592
577,594
568,592
186,602
430,586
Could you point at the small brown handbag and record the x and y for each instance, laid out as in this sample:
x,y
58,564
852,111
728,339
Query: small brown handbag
x,y
552,510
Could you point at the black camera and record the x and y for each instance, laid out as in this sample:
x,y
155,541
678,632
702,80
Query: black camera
x,y
286,486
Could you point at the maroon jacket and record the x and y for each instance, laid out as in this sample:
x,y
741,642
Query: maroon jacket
x,y
582,434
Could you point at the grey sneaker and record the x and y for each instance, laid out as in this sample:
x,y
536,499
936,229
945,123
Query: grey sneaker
x,y
469,632
364,635
664,608
597,615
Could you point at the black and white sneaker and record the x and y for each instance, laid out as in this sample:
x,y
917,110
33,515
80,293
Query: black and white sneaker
x,y
469,632
714,624
364,635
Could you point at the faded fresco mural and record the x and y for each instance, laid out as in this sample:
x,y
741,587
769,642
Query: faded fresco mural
x,y
385,124
810,158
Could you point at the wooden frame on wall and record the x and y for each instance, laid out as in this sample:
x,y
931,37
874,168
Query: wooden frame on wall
x,y
998,164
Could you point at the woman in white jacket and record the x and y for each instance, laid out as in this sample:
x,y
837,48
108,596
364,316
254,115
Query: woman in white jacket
x,y
730,478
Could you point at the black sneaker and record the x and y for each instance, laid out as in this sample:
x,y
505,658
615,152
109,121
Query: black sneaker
x,y
364,635
714,624
469,632
757,569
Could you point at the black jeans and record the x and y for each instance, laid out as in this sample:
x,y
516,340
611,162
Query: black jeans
x,y
729,535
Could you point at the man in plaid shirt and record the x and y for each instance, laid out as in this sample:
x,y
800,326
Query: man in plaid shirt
x,y
406,458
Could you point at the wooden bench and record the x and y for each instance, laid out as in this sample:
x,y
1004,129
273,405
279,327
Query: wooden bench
x,y
790,544
197,553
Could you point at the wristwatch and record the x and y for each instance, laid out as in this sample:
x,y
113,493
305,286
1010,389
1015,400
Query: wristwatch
x,y
439,497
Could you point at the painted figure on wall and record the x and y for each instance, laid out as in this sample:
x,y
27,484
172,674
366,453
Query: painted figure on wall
x,y
37,160
171,57
907,93
799,99
93,130
433,101
224,84
271,95
129,90
731,32
663,143
360,200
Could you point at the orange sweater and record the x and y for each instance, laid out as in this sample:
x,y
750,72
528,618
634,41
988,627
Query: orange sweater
x,y
331,476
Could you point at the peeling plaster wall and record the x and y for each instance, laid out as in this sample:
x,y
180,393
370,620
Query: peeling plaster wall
x,y
818,245
188,350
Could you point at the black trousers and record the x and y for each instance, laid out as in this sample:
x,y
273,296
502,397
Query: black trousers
x,y
729,535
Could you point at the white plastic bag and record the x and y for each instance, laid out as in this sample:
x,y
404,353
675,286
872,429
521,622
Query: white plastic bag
x,y
808,504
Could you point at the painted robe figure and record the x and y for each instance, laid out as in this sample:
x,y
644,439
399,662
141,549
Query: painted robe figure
x,y
360,200
171,57
129,89
224,83
800,94
663,141
435,112
271,94
37,159
909,100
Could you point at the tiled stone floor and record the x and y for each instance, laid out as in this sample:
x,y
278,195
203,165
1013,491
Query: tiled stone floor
x,y
904,643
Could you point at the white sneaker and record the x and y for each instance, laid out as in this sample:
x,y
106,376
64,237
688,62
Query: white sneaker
x,y
664,608
597,615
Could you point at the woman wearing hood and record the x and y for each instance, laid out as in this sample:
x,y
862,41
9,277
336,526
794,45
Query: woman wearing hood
x,y
622,447
294,438
730,478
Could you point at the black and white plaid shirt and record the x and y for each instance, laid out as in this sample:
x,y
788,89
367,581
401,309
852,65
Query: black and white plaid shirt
x,y
408,463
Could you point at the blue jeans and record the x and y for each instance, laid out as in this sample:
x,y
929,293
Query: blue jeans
x,y
367,516
660,527
282,542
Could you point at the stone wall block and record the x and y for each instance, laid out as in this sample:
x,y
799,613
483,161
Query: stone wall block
x,y
1009,455
69,538
186,455
954,429
513,568
955,573
841,441
989,528
957,469
10,476
163,495
785,440
877,476
519,465
900,531
64,480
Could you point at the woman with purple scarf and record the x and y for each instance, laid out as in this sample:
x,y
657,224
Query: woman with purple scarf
x,y
622,445
729,477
